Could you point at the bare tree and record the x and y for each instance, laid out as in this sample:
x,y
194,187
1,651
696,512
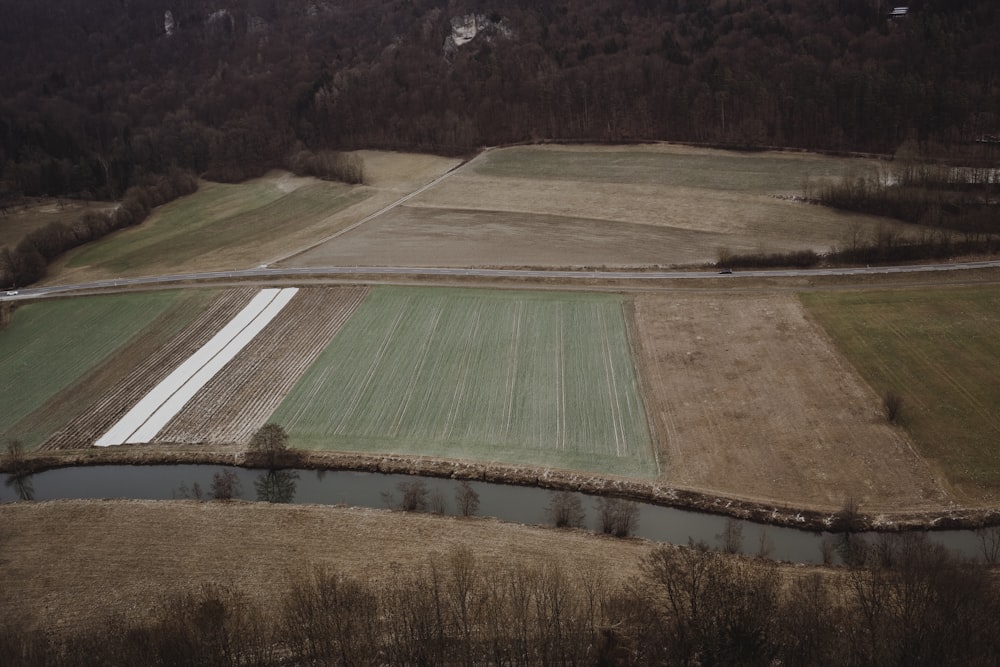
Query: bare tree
x,y
989,540
731,538
892,406
565,510
225,485
413,496
618,517
268,444
466,499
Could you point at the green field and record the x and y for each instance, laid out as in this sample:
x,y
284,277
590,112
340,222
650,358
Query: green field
x,y
218,217
940,350
709,170
534,378
49,346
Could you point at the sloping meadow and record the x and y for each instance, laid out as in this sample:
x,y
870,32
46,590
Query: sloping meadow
x,y
517,377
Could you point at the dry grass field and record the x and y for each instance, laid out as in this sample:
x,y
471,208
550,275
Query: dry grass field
x,y
225,226
938,349
749,398
103,557
613,206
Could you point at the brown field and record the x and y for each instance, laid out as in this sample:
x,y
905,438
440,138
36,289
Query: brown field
x,y
587,206
69,563
748,397
241,397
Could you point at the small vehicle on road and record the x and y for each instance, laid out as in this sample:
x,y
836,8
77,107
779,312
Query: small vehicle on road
x,y
12,292
726,272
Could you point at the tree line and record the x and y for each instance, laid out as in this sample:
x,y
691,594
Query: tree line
x,y
96,95
28,260
903,600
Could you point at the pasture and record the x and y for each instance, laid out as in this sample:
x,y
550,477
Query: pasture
x,y
939,350
653,205
50,348
532,378
220,226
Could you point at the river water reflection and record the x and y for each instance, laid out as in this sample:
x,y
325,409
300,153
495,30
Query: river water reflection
x,y
510,503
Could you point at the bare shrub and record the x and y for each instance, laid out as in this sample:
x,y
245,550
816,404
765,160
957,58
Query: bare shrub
x,y
466,499
892,406
618,517
225,485
413,496
565,510
437,503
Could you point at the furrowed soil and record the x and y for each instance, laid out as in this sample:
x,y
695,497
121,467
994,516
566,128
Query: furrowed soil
x,y
609,206
131,374
67,564
748,397
241,396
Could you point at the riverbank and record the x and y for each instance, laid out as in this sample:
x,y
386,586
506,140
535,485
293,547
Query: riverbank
x,y
652,492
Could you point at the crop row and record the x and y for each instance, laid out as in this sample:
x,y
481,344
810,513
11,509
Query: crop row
x,y
241,397
476,373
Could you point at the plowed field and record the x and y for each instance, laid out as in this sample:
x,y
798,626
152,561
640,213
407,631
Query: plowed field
x,y
136,381
240,398
750,398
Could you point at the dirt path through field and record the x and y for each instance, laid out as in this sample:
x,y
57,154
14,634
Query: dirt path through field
x,y
748,397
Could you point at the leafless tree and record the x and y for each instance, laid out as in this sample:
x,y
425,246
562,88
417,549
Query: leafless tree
x,y
618,517
565,510
466,499
731,538
892,406
225,485
268,444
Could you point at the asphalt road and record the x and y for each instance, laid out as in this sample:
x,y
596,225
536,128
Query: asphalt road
x,y
361,271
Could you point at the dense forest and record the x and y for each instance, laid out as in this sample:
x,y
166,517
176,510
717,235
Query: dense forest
x,y
98,95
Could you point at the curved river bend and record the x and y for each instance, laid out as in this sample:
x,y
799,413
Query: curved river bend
x,y
362,489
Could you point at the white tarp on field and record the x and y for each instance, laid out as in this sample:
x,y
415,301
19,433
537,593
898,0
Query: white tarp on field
x,y
158,407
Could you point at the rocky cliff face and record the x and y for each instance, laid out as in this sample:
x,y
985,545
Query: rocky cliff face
x,y
465,29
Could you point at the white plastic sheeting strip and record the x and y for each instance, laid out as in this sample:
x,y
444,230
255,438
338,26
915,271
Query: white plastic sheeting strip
x,y
165,400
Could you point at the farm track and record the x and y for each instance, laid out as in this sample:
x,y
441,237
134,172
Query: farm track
x,y
112,405
240,398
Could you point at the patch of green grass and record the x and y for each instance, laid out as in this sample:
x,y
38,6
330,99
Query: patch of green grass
x,y
50,345
536,378
218,216
751,173
940,351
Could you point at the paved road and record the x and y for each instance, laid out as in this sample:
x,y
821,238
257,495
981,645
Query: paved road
x,y
361,271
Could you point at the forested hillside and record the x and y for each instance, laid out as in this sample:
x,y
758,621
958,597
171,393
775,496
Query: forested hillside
x,y
97,94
